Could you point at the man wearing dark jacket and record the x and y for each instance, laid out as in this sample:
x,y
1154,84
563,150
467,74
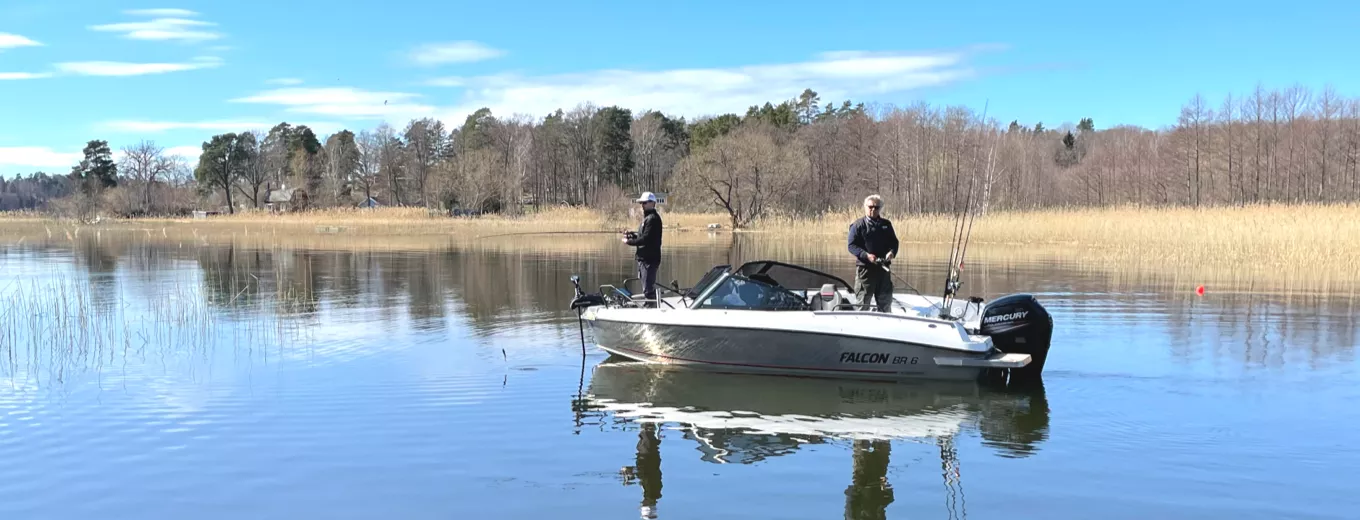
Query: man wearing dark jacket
x,y
648,243
872,241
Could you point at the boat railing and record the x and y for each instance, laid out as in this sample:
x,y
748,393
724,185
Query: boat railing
x,y
625,298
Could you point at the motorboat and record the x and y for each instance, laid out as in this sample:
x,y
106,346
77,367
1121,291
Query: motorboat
x,y
775,317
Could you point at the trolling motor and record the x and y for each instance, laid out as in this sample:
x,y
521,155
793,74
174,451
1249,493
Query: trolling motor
x,y
581,300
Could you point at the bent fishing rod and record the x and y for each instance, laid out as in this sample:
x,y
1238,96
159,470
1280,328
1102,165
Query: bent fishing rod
x,y
600,232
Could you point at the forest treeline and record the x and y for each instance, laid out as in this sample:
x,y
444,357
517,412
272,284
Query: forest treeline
x,y
801,156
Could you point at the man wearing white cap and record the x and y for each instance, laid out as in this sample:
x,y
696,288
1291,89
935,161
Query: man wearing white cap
x,y
648,243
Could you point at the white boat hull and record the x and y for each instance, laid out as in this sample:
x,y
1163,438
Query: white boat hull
x,y
831,343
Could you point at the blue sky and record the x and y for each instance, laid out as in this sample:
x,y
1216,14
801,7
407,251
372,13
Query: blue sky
x,y
177,73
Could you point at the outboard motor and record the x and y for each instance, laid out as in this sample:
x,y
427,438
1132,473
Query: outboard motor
x,y
1017,323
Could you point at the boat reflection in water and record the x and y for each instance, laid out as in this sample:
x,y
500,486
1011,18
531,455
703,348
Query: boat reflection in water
x,y
746,418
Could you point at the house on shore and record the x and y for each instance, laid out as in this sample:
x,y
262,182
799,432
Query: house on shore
x,y
285,200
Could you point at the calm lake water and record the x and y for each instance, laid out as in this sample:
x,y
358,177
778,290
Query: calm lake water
x,y
155,379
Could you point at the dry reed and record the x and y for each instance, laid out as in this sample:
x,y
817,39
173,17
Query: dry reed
x,y
1315,237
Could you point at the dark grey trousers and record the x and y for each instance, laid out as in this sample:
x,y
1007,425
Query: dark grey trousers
x,y
873,282
647,273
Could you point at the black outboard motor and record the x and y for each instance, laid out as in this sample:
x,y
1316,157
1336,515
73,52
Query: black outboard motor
x,y
1017,323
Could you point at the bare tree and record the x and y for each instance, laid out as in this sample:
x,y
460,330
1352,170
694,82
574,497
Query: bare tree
x,y
580,145
1353,146
1326,110
254,167
342,164
1264,145
369,146
649,151
1294,179
145,163
426,143
745,172
390,161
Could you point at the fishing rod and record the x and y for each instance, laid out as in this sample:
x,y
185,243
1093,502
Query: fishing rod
x,y
885,265
961,235
551,233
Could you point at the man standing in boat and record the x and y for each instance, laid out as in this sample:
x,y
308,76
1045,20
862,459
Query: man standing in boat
x,y
874,244
647,239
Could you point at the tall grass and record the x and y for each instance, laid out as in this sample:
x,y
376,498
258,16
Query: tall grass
x,y
1318,237
54,329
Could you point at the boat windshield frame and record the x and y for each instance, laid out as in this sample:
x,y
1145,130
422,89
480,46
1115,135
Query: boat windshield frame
x,y
761,267
707,281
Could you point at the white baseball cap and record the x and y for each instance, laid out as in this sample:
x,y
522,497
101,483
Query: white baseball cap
x,y
647,196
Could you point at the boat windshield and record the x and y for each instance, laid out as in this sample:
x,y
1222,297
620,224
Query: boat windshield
x,y
788,276
736,292
706,281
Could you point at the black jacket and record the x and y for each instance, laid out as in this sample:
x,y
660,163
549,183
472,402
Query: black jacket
x,y
648,240
874,236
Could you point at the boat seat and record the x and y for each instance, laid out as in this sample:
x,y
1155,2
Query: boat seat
x,y
827,299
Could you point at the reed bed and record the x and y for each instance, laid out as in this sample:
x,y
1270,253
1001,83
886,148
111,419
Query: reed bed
x,y
54,329
1320,238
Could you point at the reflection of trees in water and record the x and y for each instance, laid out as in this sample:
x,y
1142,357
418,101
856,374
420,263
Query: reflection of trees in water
x,y
100,261
1262,330
869,492
250,280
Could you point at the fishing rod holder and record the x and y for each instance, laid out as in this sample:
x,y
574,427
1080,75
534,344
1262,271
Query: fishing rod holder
x,y
951,286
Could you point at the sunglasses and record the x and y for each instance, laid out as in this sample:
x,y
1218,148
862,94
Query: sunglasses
x,y
873,207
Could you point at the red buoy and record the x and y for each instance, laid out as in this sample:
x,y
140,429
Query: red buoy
x,y
1199,290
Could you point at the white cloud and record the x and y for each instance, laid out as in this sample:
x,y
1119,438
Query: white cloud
x,y
189,153
342,101
284,81
162,126
160,12
9,41
693,92
23,75
119,68
216,126
835,76
453,52
169,24
37,157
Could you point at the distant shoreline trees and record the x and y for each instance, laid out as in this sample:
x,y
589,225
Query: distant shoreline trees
x,y
800,156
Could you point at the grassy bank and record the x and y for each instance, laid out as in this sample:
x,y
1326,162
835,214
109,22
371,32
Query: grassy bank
x,y
1316,237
